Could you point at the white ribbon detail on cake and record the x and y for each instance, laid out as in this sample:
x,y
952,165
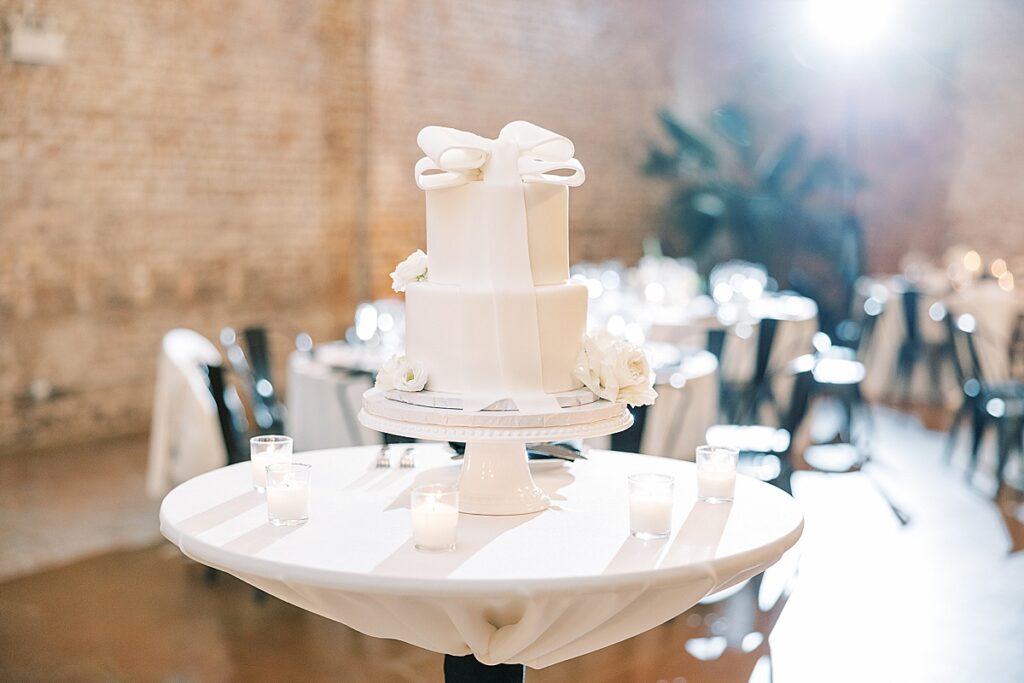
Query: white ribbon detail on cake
x,y
456,157
522,153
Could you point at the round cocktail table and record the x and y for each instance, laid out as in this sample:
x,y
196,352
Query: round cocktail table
x,y
530,589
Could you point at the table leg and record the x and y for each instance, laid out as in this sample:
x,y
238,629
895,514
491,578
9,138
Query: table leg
x,y
468,669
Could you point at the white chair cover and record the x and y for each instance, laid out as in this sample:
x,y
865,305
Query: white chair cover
x,y
185,438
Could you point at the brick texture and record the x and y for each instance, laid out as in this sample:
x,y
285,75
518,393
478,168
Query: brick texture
x,y
182,167
986,203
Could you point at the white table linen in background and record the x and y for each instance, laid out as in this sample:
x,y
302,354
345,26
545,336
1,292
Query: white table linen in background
x,y
185,437
323,402
534,589
687,405
995,311
794,334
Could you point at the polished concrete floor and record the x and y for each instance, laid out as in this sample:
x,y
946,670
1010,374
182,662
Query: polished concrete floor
x,y
940,599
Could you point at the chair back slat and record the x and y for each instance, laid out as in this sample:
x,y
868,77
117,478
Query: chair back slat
x,y
869,322
911,327
964,352
716,342
259,352
232,421
765,342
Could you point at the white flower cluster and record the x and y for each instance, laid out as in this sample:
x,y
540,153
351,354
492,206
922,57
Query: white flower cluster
x,y
412,269
615,370
398,372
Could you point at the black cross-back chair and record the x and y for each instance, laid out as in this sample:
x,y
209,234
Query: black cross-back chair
x,y
727,392
866,319
740,401
230,415
254,369
838,373
767,452
716,342
234,430
1017,349
987,404
270,416
915,349
760,391
837,457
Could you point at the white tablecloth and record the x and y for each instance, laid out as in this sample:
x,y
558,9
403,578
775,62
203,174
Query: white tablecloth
x,y
687,405
797,324
995,310
533,589
323,402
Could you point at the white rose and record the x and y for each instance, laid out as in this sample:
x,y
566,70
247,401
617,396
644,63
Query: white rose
x,y
638,395
615,370
412,269
632,366
398,372
594,365
386,374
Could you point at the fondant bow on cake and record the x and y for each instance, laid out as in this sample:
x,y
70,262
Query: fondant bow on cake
x,y
455,157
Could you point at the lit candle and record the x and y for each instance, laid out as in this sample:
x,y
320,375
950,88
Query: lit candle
x,y
435,517
289,501
650,505
716,473
287,493
716,485
267,450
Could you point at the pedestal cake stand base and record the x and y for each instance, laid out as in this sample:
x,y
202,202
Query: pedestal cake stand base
x,y
496,478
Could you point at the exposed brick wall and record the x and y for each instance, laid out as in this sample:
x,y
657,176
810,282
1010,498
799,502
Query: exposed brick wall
x,y
987,199
180,168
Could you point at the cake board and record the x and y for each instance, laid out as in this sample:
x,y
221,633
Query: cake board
x,y
496,478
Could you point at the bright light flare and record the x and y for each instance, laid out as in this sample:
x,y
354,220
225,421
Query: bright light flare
x,y
850,25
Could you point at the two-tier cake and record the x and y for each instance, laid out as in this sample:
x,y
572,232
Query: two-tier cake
x,y
492,317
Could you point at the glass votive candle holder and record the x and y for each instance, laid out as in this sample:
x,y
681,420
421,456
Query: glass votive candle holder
x,y
288,493
716,473
650,505
267,450
435,517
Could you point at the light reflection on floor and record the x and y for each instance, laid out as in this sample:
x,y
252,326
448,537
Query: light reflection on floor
x,y
933,601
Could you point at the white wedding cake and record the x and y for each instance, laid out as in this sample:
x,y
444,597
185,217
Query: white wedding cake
x,y
491,314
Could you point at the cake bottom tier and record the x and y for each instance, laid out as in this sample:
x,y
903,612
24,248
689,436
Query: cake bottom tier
x,y
458,336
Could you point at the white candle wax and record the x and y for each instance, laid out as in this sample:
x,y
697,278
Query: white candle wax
x,y
433,524
259,461
650,515
288,501
716,484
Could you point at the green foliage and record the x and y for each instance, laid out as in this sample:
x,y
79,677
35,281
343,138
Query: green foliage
x,y
777,205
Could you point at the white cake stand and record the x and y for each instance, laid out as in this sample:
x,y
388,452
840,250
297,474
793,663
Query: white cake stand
x,y
495,477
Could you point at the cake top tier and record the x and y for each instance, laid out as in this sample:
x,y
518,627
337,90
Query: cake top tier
x,y
521,151
496,204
